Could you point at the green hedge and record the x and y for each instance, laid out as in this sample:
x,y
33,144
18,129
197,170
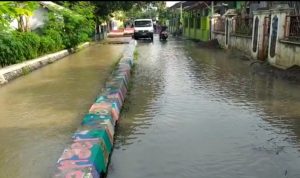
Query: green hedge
x,y
17,46
62,30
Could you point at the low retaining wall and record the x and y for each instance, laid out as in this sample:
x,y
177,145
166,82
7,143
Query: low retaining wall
x,y
220,36
241,42
11,72
287,55
92,144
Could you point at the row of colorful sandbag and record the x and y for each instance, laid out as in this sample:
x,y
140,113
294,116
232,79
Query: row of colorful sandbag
x,y
88,154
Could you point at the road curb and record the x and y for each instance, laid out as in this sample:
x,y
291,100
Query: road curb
x,y
92,144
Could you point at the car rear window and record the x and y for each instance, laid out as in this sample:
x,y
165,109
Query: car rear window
x,y
144,23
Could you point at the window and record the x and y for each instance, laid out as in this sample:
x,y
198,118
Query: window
x,y
192,19
186,22
143,23
198,22
206,12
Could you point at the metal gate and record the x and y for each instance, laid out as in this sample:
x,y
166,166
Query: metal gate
x,y
263,51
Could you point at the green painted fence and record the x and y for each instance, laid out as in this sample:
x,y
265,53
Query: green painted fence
x,y
201,33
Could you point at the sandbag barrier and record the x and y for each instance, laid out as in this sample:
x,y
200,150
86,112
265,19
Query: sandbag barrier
x,y
88,154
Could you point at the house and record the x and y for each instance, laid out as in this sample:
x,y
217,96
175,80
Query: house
x,y
39,15
197,21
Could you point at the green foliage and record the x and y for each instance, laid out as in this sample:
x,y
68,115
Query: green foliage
x,y
30,41
17,47
25,70
75,24
65,28
7,13
10,10
135,55
47,45
57,38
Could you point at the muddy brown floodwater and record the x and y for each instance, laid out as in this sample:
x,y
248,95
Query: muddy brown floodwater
x,y
195,112
40,111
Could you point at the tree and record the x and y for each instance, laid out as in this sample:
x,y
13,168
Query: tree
x,y
7,14
24,10
75,23
20,10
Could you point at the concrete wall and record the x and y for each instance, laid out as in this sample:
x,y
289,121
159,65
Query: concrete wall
x,y
287,54
261,17
221,38
241,42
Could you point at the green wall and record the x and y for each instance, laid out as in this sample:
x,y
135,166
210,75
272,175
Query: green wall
x,y
196,33
201,33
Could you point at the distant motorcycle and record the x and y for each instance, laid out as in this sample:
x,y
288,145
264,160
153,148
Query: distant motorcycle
x,y
163,35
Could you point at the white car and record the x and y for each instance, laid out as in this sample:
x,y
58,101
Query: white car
x,y
143,28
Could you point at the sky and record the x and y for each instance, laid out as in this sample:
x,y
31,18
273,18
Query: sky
x,y
171,3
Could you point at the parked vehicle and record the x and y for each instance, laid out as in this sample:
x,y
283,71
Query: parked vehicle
x,y
143,28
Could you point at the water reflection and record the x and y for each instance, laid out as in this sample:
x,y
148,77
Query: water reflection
x,y
276,100
138,111
204,113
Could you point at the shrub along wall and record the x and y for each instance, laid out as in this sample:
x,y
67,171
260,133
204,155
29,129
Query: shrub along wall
x,y
17,47
64,29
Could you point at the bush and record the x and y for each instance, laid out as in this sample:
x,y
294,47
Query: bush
x,y
11,50
17,47
51,41
64,29
46,45
30,43
57,38
75,32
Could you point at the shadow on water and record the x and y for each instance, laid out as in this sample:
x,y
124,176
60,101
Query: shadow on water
x,y
144,40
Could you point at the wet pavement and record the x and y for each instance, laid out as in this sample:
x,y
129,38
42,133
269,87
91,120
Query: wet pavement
x,y
195,112
192,112
40,111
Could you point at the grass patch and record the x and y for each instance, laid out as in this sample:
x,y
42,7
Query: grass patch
x,y
135,55
25,70
135,58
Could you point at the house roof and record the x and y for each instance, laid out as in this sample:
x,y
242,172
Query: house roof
x,y
177,5
185,4
199,5
51,4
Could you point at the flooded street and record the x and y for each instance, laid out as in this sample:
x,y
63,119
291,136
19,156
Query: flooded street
x,y
40,111
191,113
196,113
